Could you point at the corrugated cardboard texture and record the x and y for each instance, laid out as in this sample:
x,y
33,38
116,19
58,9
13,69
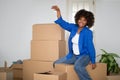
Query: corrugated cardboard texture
x,y
30,67
52,76
97,74
47,50
48,32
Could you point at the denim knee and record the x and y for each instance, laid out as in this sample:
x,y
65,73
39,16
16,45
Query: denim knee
x,y
78,68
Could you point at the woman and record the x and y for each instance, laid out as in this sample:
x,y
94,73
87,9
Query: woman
x,y
80,42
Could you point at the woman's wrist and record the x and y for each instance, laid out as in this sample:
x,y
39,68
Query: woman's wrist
x,y
58,14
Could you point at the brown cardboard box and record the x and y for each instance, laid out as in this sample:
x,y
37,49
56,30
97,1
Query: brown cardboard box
x,y
48,32
47,50
16,66
97,74
50,76
30,67
113,77
69,69
17,71
6,75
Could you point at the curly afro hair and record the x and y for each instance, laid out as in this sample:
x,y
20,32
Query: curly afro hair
x,y
87,14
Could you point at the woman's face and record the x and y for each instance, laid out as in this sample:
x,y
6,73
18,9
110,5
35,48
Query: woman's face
x,y
82,22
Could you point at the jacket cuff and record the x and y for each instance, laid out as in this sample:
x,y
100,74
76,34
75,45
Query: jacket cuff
x,y
58,20
93,61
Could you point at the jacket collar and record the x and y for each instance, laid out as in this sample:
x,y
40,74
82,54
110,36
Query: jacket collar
x,y
84,28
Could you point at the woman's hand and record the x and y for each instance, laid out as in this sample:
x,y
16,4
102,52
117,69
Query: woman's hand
x,y
93,66
56,8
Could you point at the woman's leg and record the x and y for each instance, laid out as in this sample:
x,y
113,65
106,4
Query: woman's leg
x,y
80,67
65,60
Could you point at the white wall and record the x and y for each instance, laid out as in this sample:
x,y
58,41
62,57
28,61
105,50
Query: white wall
x,y
18,16
16,20
107,27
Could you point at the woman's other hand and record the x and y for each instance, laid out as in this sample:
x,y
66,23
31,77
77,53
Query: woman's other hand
x,y
56,8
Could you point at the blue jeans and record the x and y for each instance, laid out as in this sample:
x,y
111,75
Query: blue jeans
x,y
79,65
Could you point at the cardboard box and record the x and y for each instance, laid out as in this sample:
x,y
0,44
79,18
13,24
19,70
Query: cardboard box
x,y
97,74
48,32
30,67
6,75
113,77
47,50
50,76
17,66
17,71
69,69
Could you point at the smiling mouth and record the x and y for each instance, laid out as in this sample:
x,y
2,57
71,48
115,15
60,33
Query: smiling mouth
x,y
80,24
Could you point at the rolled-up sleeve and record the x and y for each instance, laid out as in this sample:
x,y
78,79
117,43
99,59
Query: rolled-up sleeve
x,y
65,25
91,48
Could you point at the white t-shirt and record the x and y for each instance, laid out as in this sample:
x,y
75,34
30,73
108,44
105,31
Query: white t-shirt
x,y
75,40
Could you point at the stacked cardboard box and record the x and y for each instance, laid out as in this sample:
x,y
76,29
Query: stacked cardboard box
x,y
47,32
47,45
48,42
47,50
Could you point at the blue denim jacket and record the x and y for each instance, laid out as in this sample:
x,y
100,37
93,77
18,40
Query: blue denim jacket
x,y
86,46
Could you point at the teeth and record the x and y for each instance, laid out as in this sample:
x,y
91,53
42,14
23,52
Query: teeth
x,y
80,24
